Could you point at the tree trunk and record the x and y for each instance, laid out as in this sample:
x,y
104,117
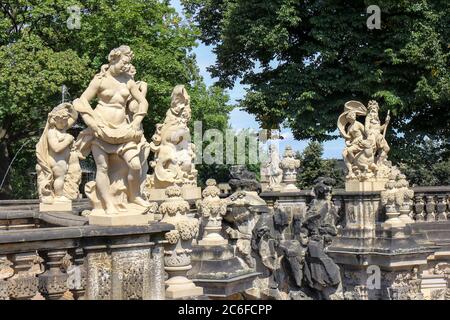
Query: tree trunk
x,y
5,159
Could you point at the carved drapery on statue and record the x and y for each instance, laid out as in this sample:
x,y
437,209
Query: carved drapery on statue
x,y
365,154
58,168
272,170
115,138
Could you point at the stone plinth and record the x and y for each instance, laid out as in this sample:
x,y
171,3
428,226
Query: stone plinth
x,y
366,185
57,206
180,287
123,219
219,272
187,193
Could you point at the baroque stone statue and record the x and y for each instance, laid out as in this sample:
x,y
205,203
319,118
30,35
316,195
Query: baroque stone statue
x,y
174,153
58,169
291,250
273,170
365,154
116,139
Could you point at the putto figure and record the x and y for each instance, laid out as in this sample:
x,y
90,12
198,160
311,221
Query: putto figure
x,y
174,153
58,169
115,136
366,150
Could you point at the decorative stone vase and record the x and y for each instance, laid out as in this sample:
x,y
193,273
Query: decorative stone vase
x,y
177,254
212,208
289,165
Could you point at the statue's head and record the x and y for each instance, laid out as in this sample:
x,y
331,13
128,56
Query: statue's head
x,y
323,188
351,116
373,107
180,102
119,61
62,116
303,236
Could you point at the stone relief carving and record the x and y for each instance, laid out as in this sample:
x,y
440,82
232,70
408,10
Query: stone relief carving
x,y
365,154
115,136
58,169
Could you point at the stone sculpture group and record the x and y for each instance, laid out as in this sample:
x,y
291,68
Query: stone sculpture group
x,y
286,249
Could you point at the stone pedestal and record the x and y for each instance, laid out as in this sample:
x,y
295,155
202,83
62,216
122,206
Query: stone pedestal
x,y
219,272
393,220
122,219
187,193
373,184
180,287
59,206
127,271
213,239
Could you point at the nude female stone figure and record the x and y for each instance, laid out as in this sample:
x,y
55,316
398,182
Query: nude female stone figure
x,y
115,125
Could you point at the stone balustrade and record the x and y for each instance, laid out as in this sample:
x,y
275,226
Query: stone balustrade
x,y
431,203
83,262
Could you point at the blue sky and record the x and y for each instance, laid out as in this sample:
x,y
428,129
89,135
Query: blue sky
x,y
239,119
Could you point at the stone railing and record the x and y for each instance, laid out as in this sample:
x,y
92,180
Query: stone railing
x,y
86,262
431,203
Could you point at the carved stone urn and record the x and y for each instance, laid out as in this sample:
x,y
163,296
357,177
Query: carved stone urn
x,y
389,200
289,165
177,253
212,208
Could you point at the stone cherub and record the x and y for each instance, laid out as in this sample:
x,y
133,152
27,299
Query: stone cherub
x,y
58,169
174,153
365,154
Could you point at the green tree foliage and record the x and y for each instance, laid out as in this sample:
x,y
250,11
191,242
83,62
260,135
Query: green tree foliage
x,y
313,166
429,165
39,54
302,60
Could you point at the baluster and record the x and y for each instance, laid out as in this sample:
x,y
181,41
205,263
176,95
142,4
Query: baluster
x,y
53,282
419,206
23,285
430,208
77,275
441,208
